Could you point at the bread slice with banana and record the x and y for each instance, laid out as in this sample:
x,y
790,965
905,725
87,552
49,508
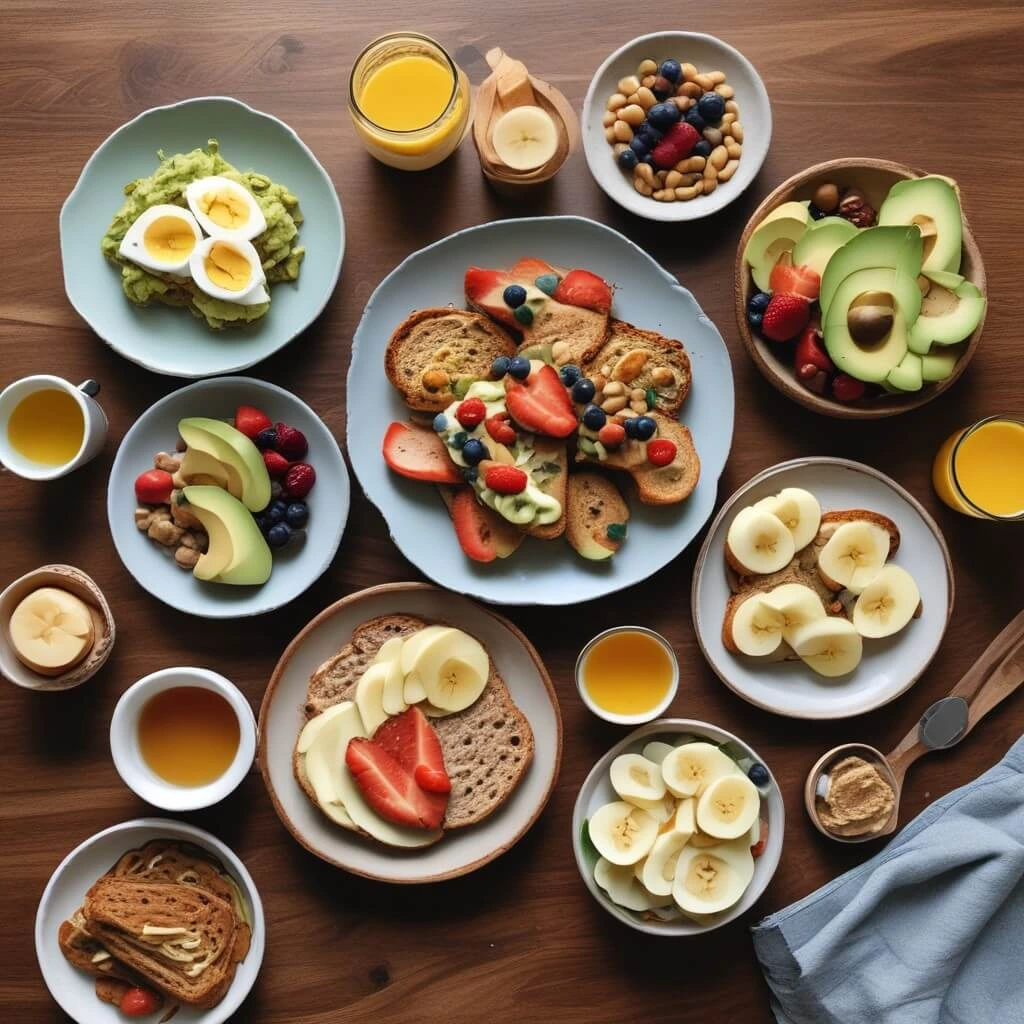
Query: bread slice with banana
x,y
597,516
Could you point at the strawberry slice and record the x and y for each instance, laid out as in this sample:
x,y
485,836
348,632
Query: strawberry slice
x,y
483,534
787,279
530,268
418,453
541,404
582,288
410,739
390,789
485,290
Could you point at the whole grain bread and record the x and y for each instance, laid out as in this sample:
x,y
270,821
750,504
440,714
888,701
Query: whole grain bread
x,y
88,954
583,330
594,504
552,451
433,348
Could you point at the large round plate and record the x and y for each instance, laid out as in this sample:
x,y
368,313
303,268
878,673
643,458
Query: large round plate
x,y
540,572
73,989
465,849
889,666
296,567
170,340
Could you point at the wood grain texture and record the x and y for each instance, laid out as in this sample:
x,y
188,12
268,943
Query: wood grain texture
x,y
520,940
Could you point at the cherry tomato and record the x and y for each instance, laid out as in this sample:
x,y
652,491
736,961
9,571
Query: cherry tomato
x,y
154,487
661,451
138,1002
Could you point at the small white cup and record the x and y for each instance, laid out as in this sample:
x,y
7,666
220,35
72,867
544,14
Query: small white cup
x,y
131,765
94,419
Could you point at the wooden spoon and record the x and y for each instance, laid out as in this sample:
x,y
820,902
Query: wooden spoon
x,y
991,679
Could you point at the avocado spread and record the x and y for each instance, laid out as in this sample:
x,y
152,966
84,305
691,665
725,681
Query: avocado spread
x,y
277,246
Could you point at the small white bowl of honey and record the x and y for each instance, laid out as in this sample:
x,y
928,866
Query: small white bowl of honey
x,y
183,738
628,675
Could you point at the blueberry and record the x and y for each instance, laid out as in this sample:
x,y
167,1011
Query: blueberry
x,y
514,295
693,117
647,160
458,440
547,283
703,148
758,302
519,367
499,368
754,319
440,422
274,513
261,522
758,774
648,135
816,212
663,115
473,451
671,69
569,374
523,314
630,427
627,159
266,439
594,417
279,535
711,107
583,390
646,428
470,473
639,147
296,515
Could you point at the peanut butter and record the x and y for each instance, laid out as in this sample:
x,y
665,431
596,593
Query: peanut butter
x,y
858,800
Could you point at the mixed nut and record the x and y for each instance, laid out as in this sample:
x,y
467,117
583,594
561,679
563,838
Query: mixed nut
x,y
171,523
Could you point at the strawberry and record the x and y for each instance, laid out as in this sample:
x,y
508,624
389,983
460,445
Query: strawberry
x,y
785,317
611,435
484,290
500,429
661,451
541,404
471,412
676,144
505,479
140,1002
291,443
418,453
847,388
389,788
299,480
584,289
154,487
251,421
530,268
789,280
758,848
811,350
276,463
483,535
410,739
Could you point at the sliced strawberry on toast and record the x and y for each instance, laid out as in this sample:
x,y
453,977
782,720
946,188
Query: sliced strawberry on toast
x,y
483,534
485,290
530,268
418,453
410,739
540,403
584,289
390,789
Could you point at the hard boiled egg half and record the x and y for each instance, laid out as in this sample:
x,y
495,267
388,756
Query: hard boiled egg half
x,y
223,207
229,269
162,238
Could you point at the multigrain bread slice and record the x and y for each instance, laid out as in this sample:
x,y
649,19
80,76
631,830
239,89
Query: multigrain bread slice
x,y
487,748
433,349
88,954
644,359
595,504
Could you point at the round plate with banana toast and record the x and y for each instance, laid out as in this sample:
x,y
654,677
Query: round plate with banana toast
x,y
823,589
152,905
553,383
409,735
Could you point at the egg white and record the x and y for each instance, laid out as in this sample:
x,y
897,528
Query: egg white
x,y
253,295
256,223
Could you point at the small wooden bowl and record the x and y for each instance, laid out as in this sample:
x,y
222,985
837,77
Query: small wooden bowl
x,y
76,582
874,178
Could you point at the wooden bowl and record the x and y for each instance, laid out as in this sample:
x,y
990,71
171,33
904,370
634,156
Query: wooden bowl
x,y
874,178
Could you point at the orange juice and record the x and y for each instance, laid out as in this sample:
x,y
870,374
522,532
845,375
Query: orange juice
x,y
47,427
979,470
407,93
627,672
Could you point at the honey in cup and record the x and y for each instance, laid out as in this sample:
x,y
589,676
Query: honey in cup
x,y
979,470
47,427
188,735
627,672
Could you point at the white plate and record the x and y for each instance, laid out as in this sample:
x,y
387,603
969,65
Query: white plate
x,y
889,666
296,566
708,54
540,572
597,791
465,849
75,990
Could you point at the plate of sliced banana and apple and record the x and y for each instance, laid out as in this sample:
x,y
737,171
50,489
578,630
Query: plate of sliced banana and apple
x,y
823,589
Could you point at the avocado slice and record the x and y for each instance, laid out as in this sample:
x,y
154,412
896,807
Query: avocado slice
x,y
820,242
907,375
938,365
233,448
895,247
944,279
200,467
778,233
232,529
933,205
947,317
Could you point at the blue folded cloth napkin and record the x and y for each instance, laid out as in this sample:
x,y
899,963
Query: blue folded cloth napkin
x,y
929,931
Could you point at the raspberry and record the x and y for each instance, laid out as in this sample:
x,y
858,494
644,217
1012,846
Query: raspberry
x,y
291,443
299,480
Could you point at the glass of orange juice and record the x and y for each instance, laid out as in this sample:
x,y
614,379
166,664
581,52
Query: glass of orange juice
x,y
409,101
979,470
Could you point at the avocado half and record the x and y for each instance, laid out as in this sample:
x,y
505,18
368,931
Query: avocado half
x,y
820,242
949,313
931,203
777,234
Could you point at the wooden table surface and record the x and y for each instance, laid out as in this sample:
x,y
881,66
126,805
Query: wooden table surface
x,y
520,940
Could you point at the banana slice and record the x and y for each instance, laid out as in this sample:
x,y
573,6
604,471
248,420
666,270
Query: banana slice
x,y
758,542
711,880
414,644
831,646
686,817
637,780
51,630
799,511
369,696
453,667
757,627
622,833
659,866
728,807
390,655
412,691
691,768
525,138
663,811
853,555
887,603
657,751
796,604
624,889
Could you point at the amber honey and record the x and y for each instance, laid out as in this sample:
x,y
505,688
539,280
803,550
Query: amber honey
x,y
188,735
627,672
47,427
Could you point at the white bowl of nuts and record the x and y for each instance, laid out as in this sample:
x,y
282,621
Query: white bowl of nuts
x,y
676,125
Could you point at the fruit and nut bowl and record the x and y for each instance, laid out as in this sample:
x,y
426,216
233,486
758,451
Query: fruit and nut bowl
x,y
859,289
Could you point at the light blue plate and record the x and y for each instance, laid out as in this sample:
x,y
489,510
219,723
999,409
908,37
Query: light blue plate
x,y
296,566
173,341
540,572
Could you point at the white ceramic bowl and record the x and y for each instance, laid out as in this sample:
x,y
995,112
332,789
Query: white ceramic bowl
x,y
74,990
708,54
597,791
132,767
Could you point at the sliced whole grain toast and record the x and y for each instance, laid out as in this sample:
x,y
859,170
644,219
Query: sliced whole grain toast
x,y
632,355
433,348
594,504
88,954
583,330
487,747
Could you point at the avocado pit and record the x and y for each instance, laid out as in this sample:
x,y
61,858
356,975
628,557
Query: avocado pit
x,y
870,317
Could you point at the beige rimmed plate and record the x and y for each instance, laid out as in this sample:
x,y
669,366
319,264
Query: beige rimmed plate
x,y
889,666
461,851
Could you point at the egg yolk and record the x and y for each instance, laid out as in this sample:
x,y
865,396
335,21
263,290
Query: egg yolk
x,y
225,208
169,239
227,268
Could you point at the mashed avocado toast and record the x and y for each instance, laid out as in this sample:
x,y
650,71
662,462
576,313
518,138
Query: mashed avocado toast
x,y
230,262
